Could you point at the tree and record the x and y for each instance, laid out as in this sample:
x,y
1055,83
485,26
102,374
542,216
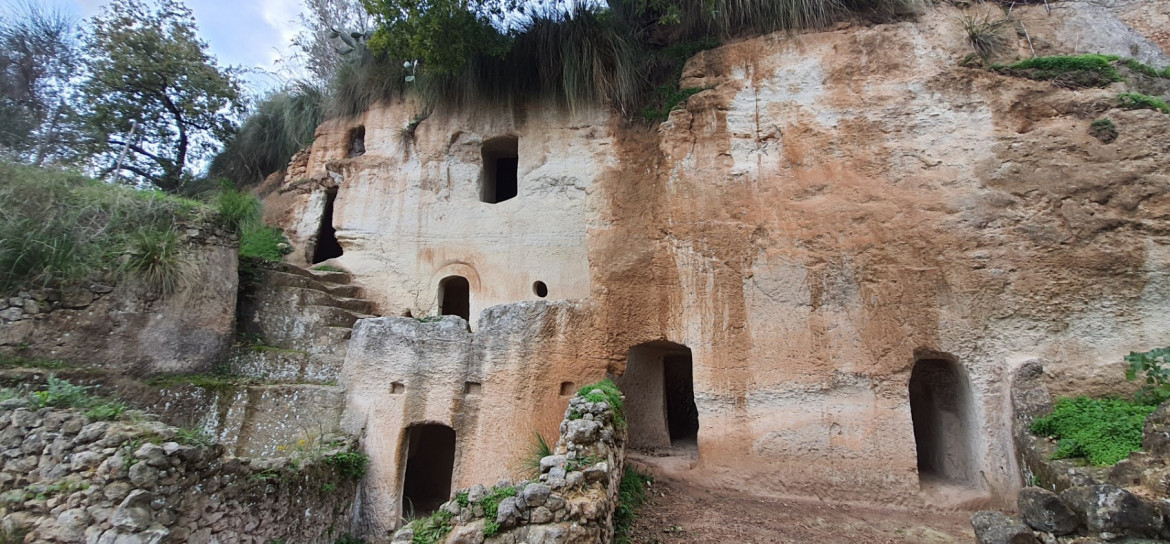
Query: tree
x,y
147,66
38,55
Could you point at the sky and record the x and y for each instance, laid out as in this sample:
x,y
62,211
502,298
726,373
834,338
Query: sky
x,y
248,33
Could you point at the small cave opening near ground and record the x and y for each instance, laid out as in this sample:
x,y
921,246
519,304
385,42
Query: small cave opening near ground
x,y
327,246
501,161
660,397
430,462
455,297
942,411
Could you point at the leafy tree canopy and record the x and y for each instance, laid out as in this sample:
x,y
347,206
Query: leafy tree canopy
x,y
147,65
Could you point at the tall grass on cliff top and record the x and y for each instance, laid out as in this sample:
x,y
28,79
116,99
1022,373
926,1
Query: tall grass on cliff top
x,y
281,124
58,227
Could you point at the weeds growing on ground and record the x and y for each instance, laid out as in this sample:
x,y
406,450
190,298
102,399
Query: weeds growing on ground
x,y
1069,70
60,393
631,496
1104,130
1104,431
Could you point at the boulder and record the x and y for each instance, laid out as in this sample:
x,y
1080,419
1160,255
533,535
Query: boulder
x,y
992,527
1110,509
1042,510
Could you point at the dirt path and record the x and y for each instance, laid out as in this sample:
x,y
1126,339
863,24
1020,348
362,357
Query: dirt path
x,y
678,512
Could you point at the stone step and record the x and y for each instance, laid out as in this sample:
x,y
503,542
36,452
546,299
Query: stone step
x,y
276,278
281,365
319,275
312,297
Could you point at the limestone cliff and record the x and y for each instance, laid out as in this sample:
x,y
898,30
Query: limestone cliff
x,y
833,209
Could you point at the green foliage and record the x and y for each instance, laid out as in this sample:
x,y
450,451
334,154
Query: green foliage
x,y
266,243
431,529
1137,101
491,508
328,268
669,97
60,393
146,64
1103,129
1104,431
155,258
238,210
1069,70
631,496
537,451
610,394
1153,365
350,464
988,37
193,437
58,227
1137,66
277,126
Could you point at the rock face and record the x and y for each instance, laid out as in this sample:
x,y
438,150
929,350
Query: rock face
x,y
831,212
125,327
69,480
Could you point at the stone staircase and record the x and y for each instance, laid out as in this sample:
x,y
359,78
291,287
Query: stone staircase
x,y
297,324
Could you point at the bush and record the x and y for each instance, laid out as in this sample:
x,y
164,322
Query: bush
x,y
155,258
279,125
60,393
351,464
58,227
1069,70
238,210
987,37
1137,101
1104,431
610,394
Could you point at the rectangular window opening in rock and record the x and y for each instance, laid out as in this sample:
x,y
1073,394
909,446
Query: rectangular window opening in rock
x,y
499,180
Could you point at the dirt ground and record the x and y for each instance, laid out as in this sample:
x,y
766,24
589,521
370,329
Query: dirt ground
x,y
678,512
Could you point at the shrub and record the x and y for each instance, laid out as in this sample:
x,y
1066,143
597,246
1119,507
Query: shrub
x,y
1137,101
433,528
1069,70
539,450
631,496
1153,365
1104,130
238,210
1104,431
155,259
280,124
60,393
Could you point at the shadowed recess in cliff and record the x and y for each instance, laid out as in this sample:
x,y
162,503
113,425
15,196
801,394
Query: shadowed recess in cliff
x,y
455,297
660,396
430,461
941,408
327,246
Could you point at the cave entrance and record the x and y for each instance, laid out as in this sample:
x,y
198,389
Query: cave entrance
x,y
660,397
327,246
942,413
430,462
501,160
455,297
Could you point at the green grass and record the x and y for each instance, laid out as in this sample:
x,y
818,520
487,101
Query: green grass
x,y
266,243
1103,431
537,451
58,227
631,496
491,508
1138,66
1071,70
1103,129
60,393
350,464
609,394
239,210
1138,101
328,268
279,125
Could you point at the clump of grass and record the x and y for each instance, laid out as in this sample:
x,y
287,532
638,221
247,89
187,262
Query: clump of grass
x,y
265,243
631,496
537,451
1138,101
1103,431
1069,70
60,393
1103,129
350,464
433,528
987,37
155,258
328,268
280,124
491,508
238,210
608,392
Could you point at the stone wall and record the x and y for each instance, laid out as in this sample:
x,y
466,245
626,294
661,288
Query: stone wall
x,y
67,479
126,327
573,499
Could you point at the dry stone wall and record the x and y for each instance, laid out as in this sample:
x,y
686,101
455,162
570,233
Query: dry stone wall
x,y
67,479
121,325
571,502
